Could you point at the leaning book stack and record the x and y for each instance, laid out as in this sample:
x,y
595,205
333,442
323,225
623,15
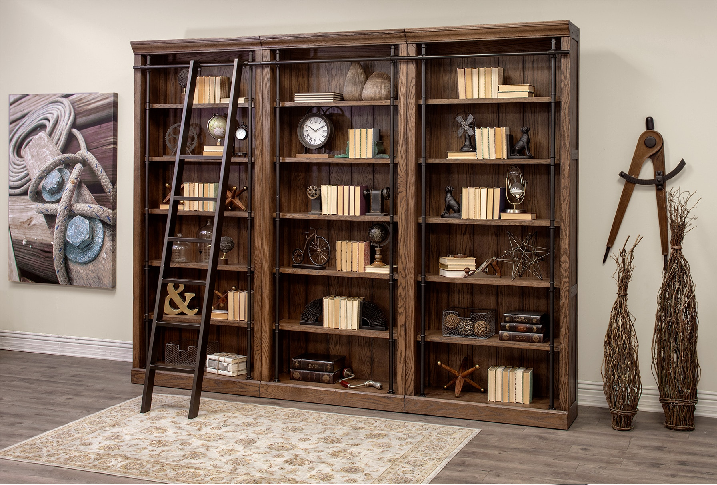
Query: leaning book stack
x,y
317,368
198,189
482,202
352,255
479,82
516,91
454,267
510,384
364,143
237,305
492,142
211,89
519,326
342,312
343,200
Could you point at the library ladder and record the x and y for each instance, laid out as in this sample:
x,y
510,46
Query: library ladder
x,y
208,284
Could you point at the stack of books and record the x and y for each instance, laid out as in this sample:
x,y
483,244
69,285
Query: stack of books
x,y
353,255
317,97
363,142
510,384
482,82
492,143
516,91
213,151
454,267
211,89
370,268
237,305
461,155
226,364
343,200
482,202
317,368
342,312
520,326
198,189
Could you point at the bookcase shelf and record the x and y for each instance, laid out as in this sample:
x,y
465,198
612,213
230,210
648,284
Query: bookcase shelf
x,y
417,128
295,326
195,319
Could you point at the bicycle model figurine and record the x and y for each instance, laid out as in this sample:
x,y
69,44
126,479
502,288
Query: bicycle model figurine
x,y
317,248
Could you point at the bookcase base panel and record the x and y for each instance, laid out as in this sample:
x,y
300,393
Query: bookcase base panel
x,y
471,405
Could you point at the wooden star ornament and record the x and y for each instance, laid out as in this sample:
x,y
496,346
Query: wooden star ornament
x,y
466,369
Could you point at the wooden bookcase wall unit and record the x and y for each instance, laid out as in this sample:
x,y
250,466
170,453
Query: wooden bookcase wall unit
x,y
417,128
369,353
159,102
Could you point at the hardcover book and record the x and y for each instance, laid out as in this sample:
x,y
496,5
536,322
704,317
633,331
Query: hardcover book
x,y
536,318
536,338
523,327
316,376
318,362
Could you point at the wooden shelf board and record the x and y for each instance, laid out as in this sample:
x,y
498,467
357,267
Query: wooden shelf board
x,y
334,273
236,214
195,319
309,215
509,161
489,222
334,160
537,99
475,405
195,105
492,281
293,104
220,267
316,392
196,158
294,326
437,336
238,385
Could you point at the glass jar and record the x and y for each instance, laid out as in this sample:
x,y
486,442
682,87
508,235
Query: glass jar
x,y
204,248
181,251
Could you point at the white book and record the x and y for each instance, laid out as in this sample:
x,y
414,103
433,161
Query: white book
x,y
464,202
326,311
499,383
230,305
483,202
491,383
519,384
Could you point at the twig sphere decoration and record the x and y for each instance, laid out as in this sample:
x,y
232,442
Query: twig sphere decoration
x,y
620,365
674,343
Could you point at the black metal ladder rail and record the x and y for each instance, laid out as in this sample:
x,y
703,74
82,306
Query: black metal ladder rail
x,y
208,283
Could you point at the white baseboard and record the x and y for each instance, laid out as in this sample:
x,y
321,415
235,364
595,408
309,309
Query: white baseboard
x,y
590,393
41,343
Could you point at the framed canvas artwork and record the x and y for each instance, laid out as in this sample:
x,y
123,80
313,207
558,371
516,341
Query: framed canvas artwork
x,y
62,185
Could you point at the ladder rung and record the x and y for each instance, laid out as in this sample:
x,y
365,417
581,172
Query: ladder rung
x,y
185,369
184,325
180,281
189,239
181,197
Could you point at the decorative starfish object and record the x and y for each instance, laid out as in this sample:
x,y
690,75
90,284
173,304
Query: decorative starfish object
x,y
233,198
524,256
466,369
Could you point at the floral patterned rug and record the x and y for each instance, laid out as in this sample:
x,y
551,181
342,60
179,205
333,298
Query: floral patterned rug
x,y
232,442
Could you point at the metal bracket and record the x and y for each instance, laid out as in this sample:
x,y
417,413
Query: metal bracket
x,y
660,178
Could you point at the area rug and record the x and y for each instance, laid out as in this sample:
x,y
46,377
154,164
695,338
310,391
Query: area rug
x,y
232,442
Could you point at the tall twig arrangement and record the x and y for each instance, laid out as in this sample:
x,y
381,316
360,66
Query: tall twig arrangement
x,y
674,344
620,365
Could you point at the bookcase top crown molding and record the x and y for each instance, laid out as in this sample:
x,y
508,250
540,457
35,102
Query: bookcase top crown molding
x,y
553,28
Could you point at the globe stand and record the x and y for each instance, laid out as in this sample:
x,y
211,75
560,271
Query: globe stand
x,y
378,259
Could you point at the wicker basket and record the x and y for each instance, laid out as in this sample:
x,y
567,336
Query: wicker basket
x,y
468,322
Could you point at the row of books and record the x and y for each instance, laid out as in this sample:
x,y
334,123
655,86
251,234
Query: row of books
x,y
482,202
353,256
237,305
454,267
343,200
211,89
317,97
522,326
226,364
317,368
197,189
510,384
481,82
342,312
362,142
492,143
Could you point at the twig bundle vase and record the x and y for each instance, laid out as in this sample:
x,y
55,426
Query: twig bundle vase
x,y
620,366
355,80
674,343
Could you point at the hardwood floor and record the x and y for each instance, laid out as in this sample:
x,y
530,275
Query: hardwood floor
x,y
39,392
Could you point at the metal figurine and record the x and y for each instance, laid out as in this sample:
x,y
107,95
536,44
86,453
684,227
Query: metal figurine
x,y
182,79
524,256
313,192
348,374
317,248
451,205
171,138
467,130
515,186
226,245
522,145
488,265
232,200
377,197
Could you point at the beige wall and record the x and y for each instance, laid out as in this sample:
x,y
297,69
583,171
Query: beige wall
x,y
638,58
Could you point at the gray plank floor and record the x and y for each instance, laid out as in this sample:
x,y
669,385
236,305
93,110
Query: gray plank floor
x,y
40,392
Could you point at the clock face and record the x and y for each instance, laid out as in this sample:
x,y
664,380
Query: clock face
x,y
241,132
314,130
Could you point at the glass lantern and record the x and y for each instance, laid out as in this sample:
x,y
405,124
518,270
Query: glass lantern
x,y
204,248
180,251
515,186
